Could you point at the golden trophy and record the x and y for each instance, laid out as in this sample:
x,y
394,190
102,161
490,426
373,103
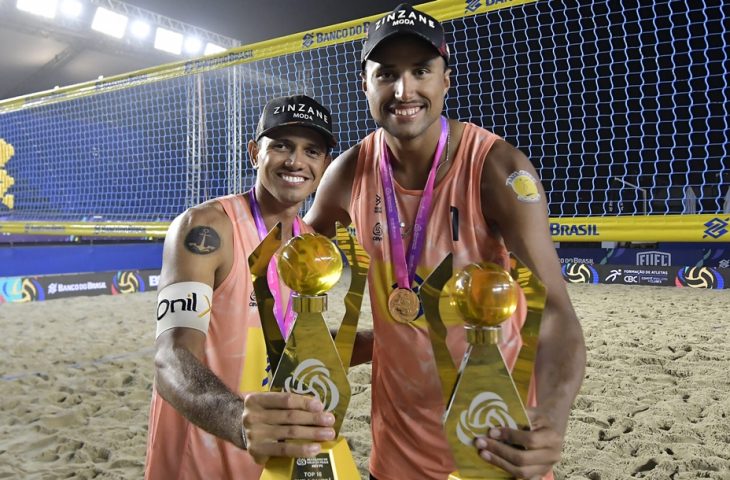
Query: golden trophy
x,y
309,362
482,393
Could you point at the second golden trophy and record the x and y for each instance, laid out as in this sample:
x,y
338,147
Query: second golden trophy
x,y
482,393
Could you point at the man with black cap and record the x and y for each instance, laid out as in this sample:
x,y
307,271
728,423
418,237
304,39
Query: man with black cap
x,y
211,415
471,194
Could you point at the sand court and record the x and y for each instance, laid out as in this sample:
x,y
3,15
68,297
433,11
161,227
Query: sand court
x,y
76,376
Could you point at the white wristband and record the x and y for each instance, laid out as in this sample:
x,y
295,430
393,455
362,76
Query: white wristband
x,y
184,304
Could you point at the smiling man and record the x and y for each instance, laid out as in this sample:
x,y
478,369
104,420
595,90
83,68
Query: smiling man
x,y
211,415
471,194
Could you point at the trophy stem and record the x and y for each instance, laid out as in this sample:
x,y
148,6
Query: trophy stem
x,y
483,335
309,303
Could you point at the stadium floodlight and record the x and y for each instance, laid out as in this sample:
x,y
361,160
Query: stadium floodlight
x,y
168,41
71,8
140,29
44,8
192,45
110,23
212,48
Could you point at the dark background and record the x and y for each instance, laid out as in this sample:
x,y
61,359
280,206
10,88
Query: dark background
x,y
37,54
598,94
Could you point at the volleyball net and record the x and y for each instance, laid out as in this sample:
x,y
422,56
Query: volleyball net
x,y
623,109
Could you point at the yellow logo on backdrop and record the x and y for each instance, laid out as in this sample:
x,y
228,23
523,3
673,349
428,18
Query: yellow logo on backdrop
x,y
6,181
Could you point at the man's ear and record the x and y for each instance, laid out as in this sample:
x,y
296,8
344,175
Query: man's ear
x,y
364,78
253,153
447,80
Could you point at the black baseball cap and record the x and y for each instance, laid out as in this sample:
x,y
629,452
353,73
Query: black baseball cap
x,y
405,20
296,110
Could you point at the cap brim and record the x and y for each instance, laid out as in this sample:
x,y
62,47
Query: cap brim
x,y
329,137
395,33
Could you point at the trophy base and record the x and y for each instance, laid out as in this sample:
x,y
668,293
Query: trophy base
x,y
334,462
495,475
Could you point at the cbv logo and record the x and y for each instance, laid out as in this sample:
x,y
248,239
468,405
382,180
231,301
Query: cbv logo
x,y
654,259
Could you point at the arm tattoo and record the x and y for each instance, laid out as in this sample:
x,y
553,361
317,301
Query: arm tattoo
x,y
202,240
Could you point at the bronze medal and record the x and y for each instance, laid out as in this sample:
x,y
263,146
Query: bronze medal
x,y
403,305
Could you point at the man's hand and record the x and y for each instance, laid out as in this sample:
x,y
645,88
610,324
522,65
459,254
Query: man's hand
x,y
541,447
271,418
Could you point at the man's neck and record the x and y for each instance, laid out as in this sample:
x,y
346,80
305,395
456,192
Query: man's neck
x,y
411,158
273,211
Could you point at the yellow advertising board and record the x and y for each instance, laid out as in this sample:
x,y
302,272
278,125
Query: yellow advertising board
x,y
649,228
644,228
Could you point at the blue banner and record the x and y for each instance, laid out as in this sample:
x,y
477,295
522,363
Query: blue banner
x,y
48,287
663,255
691,277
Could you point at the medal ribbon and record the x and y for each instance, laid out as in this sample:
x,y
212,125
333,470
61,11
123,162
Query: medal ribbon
x,y
405,270
285,319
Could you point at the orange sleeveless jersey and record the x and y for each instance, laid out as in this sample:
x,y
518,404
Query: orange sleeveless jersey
x,y
408,438
235,352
